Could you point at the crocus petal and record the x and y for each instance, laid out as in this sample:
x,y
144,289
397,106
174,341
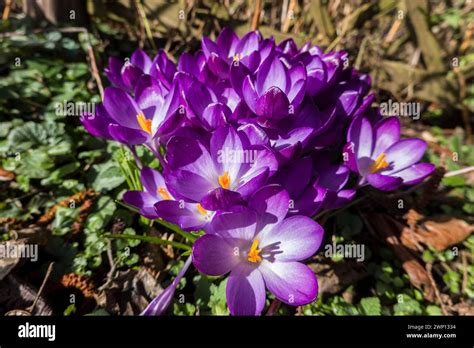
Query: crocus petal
x,y
226,151
220,198
271,204
215,115
127,135
360,136
387,132
416,173
290,282
180,214
271,73
403,154
295,238
143,201
121,107
98,124
384,182
250,94
130,75
213,256
152,180
235,225
188,185
273,104
140,59
245,291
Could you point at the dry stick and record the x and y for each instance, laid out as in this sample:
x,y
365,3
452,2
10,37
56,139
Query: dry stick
x,y
429,267
464,109
459,171
6,10
464,271
113,265
256,14
38,294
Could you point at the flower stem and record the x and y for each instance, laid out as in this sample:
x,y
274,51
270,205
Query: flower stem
x,y
155,240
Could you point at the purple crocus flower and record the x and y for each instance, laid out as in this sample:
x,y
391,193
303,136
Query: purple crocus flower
x,y
126,74
381,158
156,201
277,89
136,120
220,175
261,249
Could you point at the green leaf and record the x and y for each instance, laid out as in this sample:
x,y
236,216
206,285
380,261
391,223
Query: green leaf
x,y
107,176
371,306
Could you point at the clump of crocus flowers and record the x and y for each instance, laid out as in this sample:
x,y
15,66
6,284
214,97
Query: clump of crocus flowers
x,y
254,139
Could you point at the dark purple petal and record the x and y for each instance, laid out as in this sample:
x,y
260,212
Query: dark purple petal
x,y
143,201
182,214
126,135
360,136
236,225
384,182
141,60
121,107
214,256
130,75
98,124
271,204
221,198
215,115
245,290
291,282
272,73
273,104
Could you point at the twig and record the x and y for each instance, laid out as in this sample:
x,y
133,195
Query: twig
x,y
429,267
6,10
38,294
142,15
459,171
112,263
256,14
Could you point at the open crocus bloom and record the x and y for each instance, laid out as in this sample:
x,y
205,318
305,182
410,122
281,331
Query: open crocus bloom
x,y
261,249
138,120
221,175
381,158
157,202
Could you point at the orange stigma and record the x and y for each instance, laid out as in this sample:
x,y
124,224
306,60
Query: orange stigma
x,y
253,255
379,164
224,180
164,193
144,123
201,209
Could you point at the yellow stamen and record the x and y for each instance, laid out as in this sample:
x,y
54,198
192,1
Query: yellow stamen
x,y
253,255
237,57
224,180
144,123
201,209
379,164
163,193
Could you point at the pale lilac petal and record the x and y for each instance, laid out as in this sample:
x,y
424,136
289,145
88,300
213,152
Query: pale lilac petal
x,y
403,154
387,132
271,204
416,173
291,282
295,238
235,225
